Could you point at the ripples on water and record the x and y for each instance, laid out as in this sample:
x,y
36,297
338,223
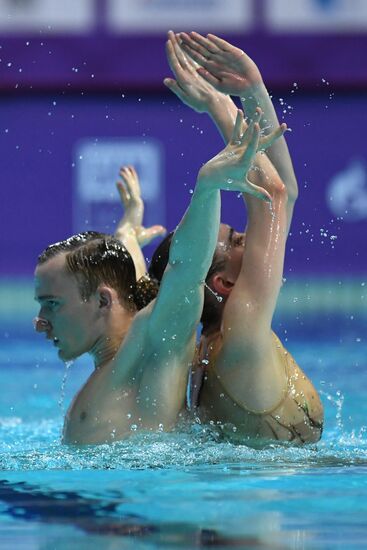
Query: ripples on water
x,y
31,416
36,446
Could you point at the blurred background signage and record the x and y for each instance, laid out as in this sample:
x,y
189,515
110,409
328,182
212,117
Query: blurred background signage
x,y
96,202
316,16
160,15
46,16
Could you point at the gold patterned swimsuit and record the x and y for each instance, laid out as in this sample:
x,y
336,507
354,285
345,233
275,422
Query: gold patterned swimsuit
x,y
296,418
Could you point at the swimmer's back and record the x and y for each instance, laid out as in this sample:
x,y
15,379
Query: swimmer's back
x,y
296,417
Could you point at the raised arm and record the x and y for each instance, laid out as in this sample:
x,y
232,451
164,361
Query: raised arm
x,y
130,230
178,306
232,71
201,95
195,92
248,363
257,286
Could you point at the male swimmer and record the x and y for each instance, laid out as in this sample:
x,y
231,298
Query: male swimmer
x,y
243,379
89,300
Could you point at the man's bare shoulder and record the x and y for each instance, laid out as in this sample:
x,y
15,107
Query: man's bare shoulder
x,y
135,345
146,350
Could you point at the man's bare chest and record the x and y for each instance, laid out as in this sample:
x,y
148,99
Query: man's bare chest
x,y
100,412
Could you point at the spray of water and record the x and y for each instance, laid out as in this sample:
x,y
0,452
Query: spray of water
x,y
63,386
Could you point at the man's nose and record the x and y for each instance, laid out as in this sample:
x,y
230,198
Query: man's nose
x,y
40,324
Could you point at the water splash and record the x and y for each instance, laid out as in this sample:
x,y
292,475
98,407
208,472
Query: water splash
x,y
61,400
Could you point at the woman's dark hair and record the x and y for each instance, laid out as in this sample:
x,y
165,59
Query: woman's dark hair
x,y
97,258
159,263
160,259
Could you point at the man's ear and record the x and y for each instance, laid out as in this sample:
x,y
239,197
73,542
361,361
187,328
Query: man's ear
x,y
221,284
104,297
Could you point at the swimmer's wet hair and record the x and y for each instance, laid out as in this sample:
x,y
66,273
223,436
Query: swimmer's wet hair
x,y
160,259
97,258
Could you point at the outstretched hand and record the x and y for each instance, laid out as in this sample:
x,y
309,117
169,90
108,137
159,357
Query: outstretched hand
x,y
227,68
228,170
189,86
129,191
130,195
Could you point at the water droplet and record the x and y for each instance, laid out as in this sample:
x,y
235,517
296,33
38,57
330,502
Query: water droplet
x,y
68,364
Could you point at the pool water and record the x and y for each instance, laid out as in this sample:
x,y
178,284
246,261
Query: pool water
x,y
180,490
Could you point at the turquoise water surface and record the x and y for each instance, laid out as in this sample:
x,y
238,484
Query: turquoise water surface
x,y
187,489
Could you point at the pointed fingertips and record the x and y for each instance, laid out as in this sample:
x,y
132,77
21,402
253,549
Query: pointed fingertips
x,y
237,130
264,196
183,36
158,230
169,82
258,114
283,128
261,194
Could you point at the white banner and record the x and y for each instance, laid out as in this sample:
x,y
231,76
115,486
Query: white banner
x,y
48,16
162,15
316,15
96,202
346,193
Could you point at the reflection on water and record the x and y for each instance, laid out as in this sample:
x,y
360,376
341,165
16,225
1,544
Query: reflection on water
x,y
27,502
222,505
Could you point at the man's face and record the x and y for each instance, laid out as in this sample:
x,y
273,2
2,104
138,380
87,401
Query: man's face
x,y
231,244
73,324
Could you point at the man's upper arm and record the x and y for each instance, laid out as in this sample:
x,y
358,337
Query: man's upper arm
x,y
177,309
